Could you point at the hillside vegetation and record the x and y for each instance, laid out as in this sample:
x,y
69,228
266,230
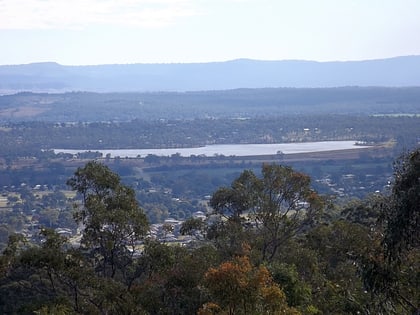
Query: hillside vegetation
x,y
270,245
239,103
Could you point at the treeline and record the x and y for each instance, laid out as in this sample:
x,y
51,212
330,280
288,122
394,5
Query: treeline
x,y
28,139
271,245
268,102
174,189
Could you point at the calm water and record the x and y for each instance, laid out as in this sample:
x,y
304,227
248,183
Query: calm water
x,y
231,149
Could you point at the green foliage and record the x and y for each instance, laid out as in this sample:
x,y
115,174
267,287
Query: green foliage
x,y
402,210
364,212
298,293
265,251
171,283
194,227
390,272
339,246
31,278
237,287
113,221
275,207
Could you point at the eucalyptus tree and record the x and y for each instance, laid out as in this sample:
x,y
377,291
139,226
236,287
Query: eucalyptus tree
x,y
391,271
112,220
402,211
274,207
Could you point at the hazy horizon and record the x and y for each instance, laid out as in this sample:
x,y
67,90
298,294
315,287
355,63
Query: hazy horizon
x,y
209,61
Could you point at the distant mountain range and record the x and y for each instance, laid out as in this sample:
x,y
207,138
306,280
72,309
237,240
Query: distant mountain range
x,y
241,73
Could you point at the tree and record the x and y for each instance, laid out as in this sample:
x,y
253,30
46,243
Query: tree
x,y
298,293
401,212
112,219
338,246
4,235
276,206
391,271
152,159
237,287
170,280
37,277
193,227
54,277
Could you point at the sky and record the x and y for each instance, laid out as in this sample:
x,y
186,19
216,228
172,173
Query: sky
x,y
91,32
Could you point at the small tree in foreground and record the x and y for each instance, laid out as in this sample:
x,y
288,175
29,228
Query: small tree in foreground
x,y
238,287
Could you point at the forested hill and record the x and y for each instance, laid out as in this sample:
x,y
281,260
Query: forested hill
x,y
241,73
238,103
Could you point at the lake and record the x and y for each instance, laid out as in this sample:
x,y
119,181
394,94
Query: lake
x,y
231,149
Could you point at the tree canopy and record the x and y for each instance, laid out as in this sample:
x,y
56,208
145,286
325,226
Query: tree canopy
x,y
110,216
275,207
270,246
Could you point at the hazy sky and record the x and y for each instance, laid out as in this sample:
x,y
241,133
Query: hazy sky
x,y
80,32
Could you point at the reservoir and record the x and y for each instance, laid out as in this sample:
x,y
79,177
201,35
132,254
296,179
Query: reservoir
x,y
230,149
